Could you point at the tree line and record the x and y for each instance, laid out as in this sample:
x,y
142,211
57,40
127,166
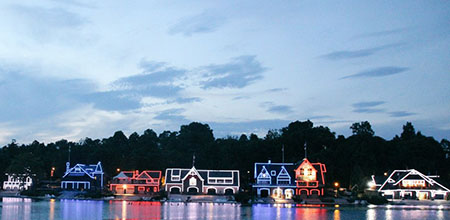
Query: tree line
x,y
349,160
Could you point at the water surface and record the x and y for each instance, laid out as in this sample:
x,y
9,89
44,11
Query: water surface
x,y
28,209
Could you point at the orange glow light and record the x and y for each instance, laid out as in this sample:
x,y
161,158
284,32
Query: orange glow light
x,y
336,184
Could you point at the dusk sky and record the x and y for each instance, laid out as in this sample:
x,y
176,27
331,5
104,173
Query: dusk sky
x,y
75,69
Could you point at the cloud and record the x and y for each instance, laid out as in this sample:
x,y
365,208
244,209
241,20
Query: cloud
x,y
350,54
48,24
399,114
238,73
151,66
240,97
280,109
202,23
113,100
367,104
173,115
73,3
367,107
155,80
318,117
276,90
181,100
382,33
27,97
368,110
148,79
378,72
40,17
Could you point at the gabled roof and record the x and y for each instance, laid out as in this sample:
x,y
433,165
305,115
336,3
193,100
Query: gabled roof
x,y
304,163
146,174
275,168
397,176
193,171
264,174
124,174
283,173
149,174
83,169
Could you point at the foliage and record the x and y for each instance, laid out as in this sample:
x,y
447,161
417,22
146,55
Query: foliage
x,y
349,160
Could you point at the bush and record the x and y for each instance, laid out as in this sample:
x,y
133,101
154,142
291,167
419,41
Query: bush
x,y
40,192
376,199
242,197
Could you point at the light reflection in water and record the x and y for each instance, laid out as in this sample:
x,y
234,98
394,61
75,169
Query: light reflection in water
x,y
16,208
81,209
51,214
371,214
19,208
121,210
179,210
337,214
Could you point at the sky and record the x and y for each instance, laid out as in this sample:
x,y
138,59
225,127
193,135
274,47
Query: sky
x,y
74,69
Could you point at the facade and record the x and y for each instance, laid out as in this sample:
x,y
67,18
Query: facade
x,y
410,184
284,180
133,182
275,179
17,182
310,178
193,181
83,177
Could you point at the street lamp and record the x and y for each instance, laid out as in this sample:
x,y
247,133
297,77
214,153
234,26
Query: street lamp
x,y
118,169
336,184
52,171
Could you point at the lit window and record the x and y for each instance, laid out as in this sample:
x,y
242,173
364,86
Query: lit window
x,y
192,181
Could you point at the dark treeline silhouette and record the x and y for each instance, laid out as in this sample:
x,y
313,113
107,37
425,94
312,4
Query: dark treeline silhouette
x,y
350,161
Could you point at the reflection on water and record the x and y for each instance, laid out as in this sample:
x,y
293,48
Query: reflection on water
x,y
132,210
27,209
16,208
201,211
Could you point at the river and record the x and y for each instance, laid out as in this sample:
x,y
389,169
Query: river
x,y
28,209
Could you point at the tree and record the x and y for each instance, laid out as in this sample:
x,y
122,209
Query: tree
x,y
408,131
362,128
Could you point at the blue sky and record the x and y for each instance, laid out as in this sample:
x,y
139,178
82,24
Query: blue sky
x,y
74,69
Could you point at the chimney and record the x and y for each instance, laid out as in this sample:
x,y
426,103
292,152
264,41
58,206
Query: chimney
x,y
270,161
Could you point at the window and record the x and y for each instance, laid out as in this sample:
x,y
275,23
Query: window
x,y
302,172
192,181
273,172
175,175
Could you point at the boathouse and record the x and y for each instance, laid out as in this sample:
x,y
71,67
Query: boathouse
x,y
410,184
18,182
274,179
83,177
196,181
133,182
